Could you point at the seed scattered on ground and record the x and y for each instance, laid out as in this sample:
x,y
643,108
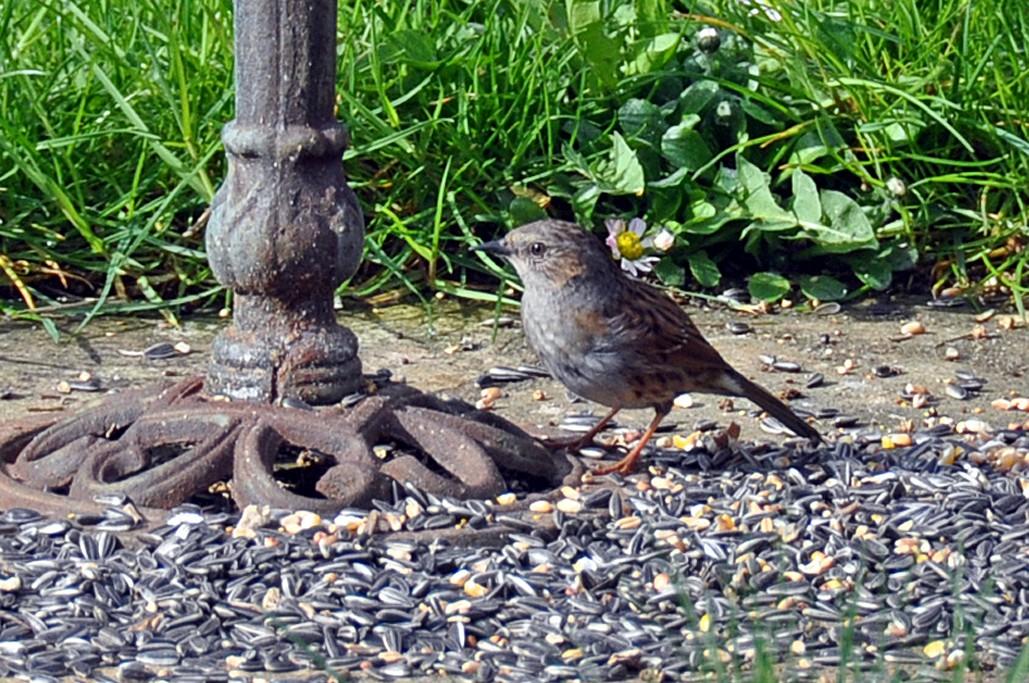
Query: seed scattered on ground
x,y
848,367
541,506
912,328
956,391
915,548
896,440
883,371
160,351
488,398
569,506
985,315
828,308
683,401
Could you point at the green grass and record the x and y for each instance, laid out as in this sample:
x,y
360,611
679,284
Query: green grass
x,y
467,118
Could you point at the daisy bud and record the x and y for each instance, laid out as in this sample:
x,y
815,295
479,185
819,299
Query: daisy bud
x,y
896,186
664,240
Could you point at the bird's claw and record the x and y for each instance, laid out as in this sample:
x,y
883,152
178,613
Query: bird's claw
x,y
624,467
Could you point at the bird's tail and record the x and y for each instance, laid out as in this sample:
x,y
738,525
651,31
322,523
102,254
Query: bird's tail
x,y
736,384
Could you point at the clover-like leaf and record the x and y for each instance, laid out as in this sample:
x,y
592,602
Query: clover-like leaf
x,y
807,207
669,273
848,227
758,199
684,147
822,287
642,119
698,96
523,210
652,54
768,287
703,269
624,173
872,272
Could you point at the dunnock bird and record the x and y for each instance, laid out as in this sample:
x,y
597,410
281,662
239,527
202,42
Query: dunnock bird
x,y
615,340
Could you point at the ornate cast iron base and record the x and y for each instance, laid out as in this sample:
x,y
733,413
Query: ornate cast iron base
x,y
160,447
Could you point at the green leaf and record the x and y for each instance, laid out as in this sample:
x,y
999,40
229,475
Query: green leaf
x,y
768,287
641,119
601,51
822,287
898,133
814,144
758,199
583,13
876,269
703,210
707,226
664,205
523,210
726,180
624,173
684,147
759,113
673,180
653,16
849,228
707,219
806,205
652,54
899,257
669,273
704,270
698,96
872,271
584,201
624,17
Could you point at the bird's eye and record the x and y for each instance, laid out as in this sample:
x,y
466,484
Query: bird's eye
x,y
537,248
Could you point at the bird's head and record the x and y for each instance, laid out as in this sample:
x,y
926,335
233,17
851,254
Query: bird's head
x,y
550,252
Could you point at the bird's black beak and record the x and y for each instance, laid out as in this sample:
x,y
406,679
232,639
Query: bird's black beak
x,y
496,247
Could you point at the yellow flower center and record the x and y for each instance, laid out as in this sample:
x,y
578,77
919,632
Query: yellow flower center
x,y
629,245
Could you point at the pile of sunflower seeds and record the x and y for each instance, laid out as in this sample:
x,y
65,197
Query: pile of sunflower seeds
x,y
915,556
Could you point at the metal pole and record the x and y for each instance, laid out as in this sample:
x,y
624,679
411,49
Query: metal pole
x,y
285,228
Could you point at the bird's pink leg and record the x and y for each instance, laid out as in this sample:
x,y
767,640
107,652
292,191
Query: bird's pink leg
x,y
626,465
574,443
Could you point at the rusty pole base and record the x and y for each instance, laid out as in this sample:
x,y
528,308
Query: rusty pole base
x,y
318,364
159,447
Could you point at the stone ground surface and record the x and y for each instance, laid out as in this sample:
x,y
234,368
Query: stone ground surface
x,y
449,350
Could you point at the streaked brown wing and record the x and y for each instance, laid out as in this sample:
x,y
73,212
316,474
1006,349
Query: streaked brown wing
x,y
661,332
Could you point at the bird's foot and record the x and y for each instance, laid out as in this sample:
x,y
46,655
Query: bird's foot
x,y
575,443
627,465
624,467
